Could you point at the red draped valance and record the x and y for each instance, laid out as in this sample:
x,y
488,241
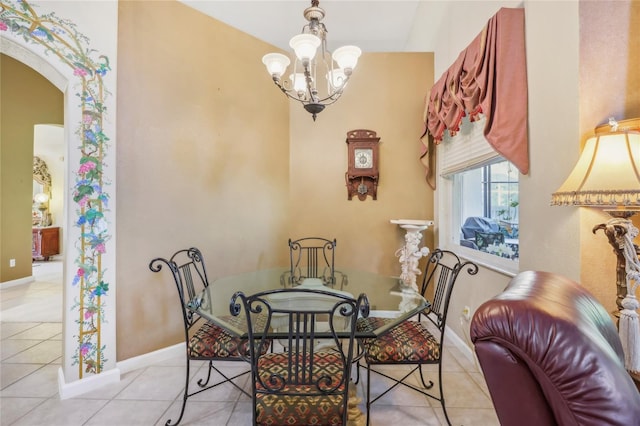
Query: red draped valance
x,y
490,78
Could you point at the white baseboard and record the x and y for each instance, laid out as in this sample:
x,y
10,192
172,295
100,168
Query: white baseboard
x,y
461,345
19,281
150,358
78,387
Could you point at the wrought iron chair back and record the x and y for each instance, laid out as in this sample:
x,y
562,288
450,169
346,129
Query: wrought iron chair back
x,y
441,272
413,342
312,257
305,373
190,277
204,340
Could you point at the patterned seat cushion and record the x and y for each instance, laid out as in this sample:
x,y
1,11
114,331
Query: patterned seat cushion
x,y
408,342
299,408
211,342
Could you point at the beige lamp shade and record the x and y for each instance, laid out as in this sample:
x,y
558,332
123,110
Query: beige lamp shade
x,y
305,46
299,82
276,63
606,175
347,57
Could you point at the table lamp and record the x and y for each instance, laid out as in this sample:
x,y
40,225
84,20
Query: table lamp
x,y
42,199
607,175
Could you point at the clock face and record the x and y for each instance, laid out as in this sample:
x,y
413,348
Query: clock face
x,y
363,158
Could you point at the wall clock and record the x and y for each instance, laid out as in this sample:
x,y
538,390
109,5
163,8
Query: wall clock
x,y
362,171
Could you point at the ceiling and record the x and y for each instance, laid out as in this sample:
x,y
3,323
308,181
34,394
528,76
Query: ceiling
x,y
374,25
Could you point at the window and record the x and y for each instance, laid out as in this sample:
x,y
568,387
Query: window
x,y
487,205
478,204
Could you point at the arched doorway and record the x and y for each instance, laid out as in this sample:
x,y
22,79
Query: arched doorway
x,y
55,47
33,166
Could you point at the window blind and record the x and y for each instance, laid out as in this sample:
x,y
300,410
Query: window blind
x,y
489,77
466,150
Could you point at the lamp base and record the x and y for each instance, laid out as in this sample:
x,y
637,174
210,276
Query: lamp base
x,y
615,229
44,217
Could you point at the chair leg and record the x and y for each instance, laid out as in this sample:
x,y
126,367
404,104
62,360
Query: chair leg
x,y
444,407
206,382
368,392
401,382
203,384
426,386
357,358
357,373
184,398
397,382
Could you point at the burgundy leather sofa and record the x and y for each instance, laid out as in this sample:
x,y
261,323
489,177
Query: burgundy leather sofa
x,y
551,355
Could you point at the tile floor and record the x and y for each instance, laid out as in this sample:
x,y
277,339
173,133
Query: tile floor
x,y
30,353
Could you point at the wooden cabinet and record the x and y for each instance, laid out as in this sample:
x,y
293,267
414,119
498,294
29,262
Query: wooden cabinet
x,y
45,242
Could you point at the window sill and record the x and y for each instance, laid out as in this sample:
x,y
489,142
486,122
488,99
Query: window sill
x,y
505,267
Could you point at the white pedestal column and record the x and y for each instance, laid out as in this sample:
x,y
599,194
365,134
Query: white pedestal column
x,y
409,255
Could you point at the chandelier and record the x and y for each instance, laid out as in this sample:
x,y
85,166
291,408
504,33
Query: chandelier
x,y
313,62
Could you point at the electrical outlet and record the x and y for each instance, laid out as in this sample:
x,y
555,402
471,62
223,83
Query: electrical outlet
x,y
12,263
466,313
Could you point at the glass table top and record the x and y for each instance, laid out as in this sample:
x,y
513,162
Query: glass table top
x,y
385,294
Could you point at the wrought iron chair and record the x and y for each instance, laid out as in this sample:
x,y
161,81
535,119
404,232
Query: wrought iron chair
x,y
312,257
485,239
204,340
411,342
307,383
475,224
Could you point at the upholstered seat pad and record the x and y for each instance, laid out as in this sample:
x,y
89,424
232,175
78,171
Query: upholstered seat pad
x,y
212,341
408,342
303,405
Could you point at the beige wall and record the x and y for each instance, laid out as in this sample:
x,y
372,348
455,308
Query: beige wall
x,y
203,150
27,99
211,154
609,87
385,95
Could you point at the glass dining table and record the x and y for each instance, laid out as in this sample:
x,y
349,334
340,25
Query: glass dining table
x,y
386,296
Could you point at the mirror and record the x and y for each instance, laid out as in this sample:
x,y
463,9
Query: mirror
x,y
41,193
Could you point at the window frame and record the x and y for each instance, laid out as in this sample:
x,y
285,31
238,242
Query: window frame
x,y
446,208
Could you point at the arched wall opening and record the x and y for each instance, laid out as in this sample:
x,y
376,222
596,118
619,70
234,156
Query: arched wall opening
x,y
59,51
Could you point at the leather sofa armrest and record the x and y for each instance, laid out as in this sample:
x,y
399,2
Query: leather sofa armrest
x,y
510,380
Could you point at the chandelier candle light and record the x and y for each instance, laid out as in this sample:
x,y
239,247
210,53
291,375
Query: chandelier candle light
x,y
312,65
607,175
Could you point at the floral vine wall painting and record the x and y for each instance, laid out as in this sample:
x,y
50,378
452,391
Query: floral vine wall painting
x,y
61,39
